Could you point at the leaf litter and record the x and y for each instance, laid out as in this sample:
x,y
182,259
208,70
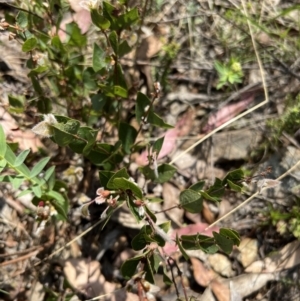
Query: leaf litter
x,y
219,155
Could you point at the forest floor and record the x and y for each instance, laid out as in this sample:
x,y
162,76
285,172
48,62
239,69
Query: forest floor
x,y
252,123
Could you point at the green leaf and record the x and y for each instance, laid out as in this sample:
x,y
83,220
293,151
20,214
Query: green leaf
x,y
21,157
39,167
155,260
142,102
197,186
91,142
121,81
165,226
36,189
113,39
157,145
166,278
122,173
99,58
11,158
104,177
215,192
38,70
17,181
50,177
154,119
234,176
120,91
99,21
109,13
124,48
234,187
124,184
139,242
199,242
3,144
29,44
165,173
150,213
127,134
58,202
78,145
63,134
191,201
22,19
128,269
74,35
223,242
57,45
182,250
16,102
231,234
134,209
36,85
148,173
149,271
220,68
3,164
145,237
128,19
99,158
99,101
44,105
206,196
24,192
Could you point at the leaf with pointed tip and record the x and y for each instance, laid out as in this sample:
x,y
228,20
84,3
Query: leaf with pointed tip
x,y
191,201
21,157
39,167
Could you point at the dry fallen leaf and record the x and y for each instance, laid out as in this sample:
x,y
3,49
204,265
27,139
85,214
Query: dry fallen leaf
x,y
26,139
221,264
207,295
220,290
227,112
208,214
171,198
202,274
248,251
85,276
182,128
246,284
287,257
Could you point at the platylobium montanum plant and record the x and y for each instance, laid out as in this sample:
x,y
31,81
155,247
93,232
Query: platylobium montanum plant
x,y
84,101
